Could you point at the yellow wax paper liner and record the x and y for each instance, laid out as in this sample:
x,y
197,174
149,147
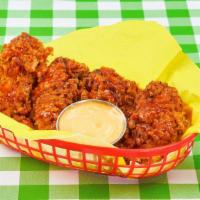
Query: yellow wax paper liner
x,y
138,50
23,131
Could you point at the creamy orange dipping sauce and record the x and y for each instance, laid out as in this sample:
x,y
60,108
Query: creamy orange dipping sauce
x,y
93,118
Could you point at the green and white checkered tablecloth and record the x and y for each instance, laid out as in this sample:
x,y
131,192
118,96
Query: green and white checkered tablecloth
x,y
26,179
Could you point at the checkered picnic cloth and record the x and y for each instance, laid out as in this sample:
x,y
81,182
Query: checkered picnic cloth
x,y
25,178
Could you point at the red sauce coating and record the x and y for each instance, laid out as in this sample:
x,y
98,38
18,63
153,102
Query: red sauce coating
x,y
20,63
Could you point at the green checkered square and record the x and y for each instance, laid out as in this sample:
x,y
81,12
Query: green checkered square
x,y
37,177
2,31
4,5
42,14
64,14
124,191
64,192
10,163
131,5
18,14
181,30
33,192
154,191
41,31
45,5
11,31
180,13
109,14
184,191
3,13
133,14
9,192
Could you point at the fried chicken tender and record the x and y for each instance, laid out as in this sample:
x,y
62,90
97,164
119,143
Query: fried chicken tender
x,y
160,118
106,84
19,62
58,89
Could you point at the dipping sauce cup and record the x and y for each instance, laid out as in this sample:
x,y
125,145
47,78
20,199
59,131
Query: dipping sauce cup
x,y
94,118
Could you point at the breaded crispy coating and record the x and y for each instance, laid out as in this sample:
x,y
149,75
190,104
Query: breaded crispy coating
x,y
19,61
24,53
58,89
106,84
160,118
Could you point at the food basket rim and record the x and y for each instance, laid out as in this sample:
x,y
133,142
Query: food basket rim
x,y
118,151
171,154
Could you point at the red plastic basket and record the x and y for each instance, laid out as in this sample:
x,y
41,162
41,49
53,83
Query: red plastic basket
x,y
131,163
